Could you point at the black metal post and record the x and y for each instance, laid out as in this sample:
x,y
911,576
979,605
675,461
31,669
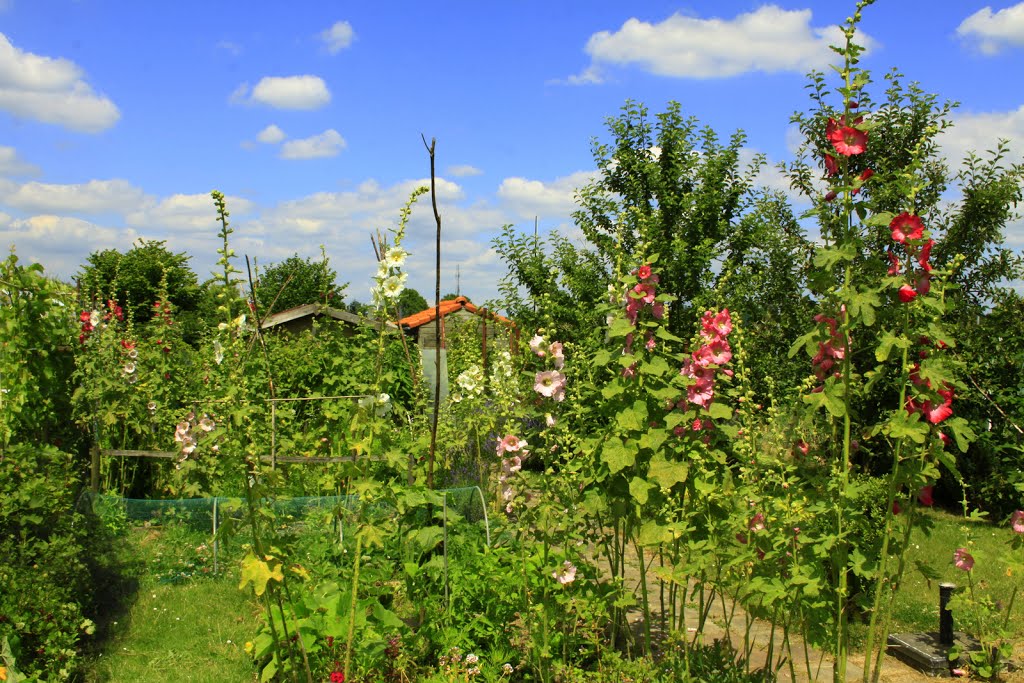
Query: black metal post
x,y
945,616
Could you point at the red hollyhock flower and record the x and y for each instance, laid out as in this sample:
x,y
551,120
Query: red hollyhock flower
x,y
905,227
924,284
926,253
832,194
831,165
643,272
907,294
894,264
924,496
848,141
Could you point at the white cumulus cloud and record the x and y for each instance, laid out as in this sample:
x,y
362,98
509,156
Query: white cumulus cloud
x,y
51,90
768,39
93,197
992,31
555,200
185,212
11,165
285,92
981,131
464,171
338,37
271,135
326,144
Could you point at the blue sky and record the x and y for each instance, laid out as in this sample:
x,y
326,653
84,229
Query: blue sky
x,y
117,118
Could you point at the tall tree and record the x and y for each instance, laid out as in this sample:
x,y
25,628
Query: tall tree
x,y
296,281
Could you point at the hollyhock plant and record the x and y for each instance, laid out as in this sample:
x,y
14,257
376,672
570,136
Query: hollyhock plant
x,y
963,560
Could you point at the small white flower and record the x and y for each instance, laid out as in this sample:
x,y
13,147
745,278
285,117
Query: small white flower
x,y
392,287
218,352
129,368
94,318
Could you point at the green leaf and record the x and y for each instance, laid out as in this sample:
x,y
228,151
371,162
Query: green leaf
x,y
638,489
612,389
667,473
633,418
886,344
618,455
880,219
719,411
259,573
652,534
653,438
830,256
656,366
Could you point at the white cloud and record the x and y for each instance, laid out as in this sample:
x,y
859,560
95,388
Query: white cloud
x,y
550,201
992,31
61,243
93,197
271,135
769,39
285,92
338,37
11,165
51,91
464,171
326,144
980,132
185,212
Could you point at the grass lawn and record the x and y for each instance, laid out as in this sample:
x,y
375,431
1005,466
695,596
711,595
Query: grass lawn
x,y
192,630
916,606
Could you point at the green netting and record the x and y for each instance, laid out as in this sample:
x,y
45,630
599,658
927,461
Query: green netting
x,y
332,514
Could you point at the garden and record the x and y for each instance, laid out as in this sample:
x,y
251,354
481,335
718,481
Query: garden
x,y
716,441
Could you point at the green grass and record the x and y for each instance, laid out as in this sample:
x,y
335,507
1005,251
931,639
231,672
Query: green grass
x,y
916,606
193,630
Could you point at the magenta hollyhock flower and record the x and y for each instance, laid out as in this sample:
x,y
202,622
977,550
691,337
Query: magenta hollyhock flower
x,y
658,310
907,294
963,560
1017,521
550,383
848,140
905,227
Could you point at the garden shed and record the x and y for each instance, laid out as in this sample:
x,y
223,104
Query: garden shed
x,y
300,319
495,332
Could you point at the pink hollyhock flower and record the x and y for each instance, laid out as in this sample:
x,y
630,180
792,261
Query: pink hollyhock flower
x,y
1017,521
550,383
803,447
756,523
650,343
831,165
629,372
511,465
644,271
848,141
700,394
716,325
907,294
557,354
633,307
963,559
905,227
537,345
646,292
658,310
510,444
565,574
924,496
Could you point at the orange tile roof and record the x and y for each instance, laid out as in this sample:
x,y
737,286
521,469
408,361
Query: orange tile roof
x,y
450,306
